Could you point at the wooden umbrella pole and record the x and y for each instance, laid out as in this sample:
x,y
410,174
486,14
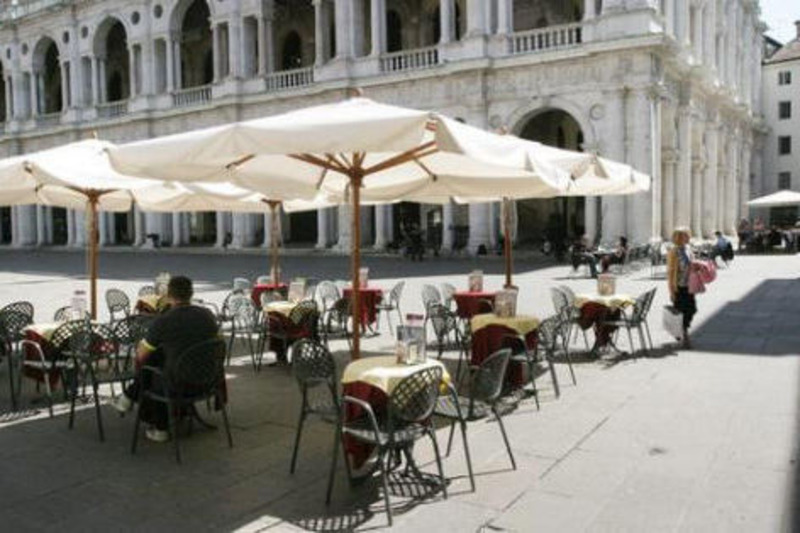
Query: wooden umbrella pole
x,y
273,242
507,241
356,177
93,241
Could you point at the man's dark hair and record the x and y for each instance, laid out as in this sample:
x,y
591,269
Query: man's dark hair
x,y
718,234
180,289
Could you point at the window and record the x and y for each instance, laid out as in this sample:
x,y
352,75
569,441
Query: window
x,y
784,180
785,145
785,77
784,110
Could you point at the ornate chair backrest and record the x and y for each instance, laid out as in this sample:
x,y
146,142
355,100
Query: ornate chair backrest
x,y
328,293
396,293
414,398
61,339
117,302
242,310
442,320
305,315
12,324
199,369
568,293
560,300
241,284
62,314
487,381
146,290
25,308
131,330
313,364
430,296
263,280
448,290
548,332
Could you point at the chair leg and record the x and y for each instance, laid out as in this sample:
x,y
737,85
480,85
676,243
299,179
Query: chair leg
x,y
49,392
385,482
532,379
505,437
649,338
73,397
450,438
467,455
98,413
297,439
136,426
642,339
336,438
630,340
553,376
438,461
10,362
227,424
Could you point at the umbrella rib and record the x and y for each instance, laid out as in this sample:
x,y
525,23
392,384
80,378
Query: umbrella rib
x,y
422,150
425,169
314,160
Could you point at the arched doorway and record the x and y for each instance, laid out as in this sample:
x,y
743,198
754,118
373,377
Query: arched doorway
x,y
47,76
559,219
394,31
197,47
111,45
292,51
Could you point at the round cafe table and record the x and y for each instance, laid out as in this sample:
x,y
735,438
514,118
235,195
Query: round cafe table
x,y
373,379
469,303
261,288
489,334
369,298
595,310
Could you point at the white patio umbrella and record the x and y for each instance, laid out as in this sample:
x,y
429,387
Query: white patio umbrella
x,y
779,199
354,150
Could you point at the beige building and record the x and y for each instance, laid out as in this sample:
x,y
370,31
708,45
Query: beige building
x,y
671,86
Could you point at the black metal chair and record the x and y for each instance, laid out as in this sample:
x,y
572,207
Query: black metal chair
x,y
430,296
303,322
315,371
549,331
22,307
93,353
197,375
64,314
448,290
118,303
245,324
448,335
636,319
392,304
338,320
6,352
564,304
146,290
127,334
485,389
409,418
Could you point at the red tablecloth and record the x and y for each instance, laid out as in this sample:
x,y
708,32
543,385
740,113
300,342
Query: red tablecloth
x,y
468,304
370,298
258,290
50,353
592,315
489,339
358,452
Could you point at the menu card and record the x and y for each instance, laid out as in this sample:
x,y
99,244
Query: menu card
x,y
297,289
476,281
606,284
363,277
505,303
411,348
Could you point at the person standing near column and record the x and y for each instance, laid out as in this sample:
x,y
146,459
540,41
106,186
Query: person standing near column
x,y
679,264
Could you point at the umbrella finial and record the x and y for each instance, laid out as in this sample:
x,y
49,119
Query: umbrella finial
x,y
354,92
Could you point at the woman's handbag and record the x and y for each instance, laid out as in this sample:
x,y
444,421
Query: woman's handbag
x,y
673,322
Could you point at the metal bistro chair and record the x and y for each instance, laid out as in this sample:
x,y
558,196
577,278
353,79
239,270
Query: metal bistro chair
x,y
338,319
304,318
392,304
92,352
241,285
22,307
549,332
315,371
409,418
246,323
485,388
128,333
636,319
13,321
445,327
327,294
430,296
118,303
64,314
263,280
564,304
448,290
198,375
146,290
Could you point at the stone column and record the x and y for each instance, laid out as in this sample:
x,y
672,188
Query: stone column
x,y
378,27
177,230
134,75
215,53
34,99
683,196
66,94
476,18
238,237
102,229
710,190
345,228
26,224
323,229
446,21
320,32
682,22
614,215
266,36
744,187
138,226
644,130
236,47
670,162
669,17
698,172
731,192
345,29
41,226
170,49
382,213
478,226
505,16
447,227
222,229
697,38
710,33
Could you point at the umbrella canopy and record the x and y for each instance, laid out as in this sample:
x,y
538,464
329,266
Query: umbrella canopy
x,y
348,151
778,199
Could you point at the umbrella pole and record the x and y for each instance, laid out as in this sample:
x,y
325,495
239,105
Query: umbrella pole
x,y
507,241
93,238
273,242
356,177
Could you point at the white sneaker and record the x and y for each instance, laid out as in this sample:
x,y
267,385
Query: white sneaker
x,y
122,404
156,435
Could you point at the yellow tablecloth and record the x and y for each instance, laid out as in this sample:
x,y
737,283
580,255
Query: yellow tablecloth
x,y
522,324
614,301
283,307
385,373
152,301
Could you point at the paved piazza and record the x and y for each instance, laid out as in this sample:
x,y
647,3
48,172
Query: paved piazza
x,y
704,440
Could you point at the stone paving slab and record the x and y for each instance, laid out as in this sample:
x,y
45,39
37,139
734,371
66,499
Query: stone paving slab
x,y
704,440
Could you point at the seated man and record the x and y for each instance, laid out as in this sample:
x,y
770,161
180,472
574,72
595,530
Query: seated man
x,y
183,326
618,257
581,255
722,248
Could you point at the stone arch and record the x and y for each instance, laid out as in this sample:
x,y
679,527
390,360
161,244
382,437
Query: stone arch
x,y
394,31
192,19
291,51
47,76
434,33
179,10
111,47
523,115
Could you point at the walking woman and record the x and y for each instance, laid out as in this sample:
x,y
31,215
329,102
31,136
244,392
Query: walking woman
x,y
679,264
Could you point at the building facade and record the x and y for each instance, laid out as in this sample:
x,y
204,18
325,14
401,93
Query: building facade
x,y
672,87
781,96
